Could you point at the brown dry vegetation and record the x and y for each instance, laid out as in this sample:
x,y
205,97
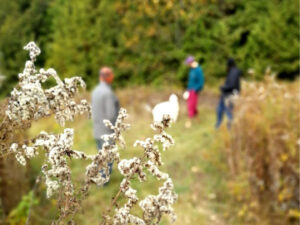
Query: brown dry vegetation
x,y
262,153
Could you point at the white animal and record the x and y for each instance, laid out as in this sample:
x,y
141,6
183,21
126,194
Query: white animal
x,y
170,107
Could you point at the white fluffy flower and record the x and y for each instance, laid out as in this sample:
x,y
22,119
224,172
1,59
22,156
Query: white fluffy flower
x,y
30,152
33,49
129,167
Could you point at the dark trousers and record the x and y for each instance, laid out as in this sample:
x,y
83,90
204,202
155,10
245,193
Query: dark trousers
x,y
227,108
100,143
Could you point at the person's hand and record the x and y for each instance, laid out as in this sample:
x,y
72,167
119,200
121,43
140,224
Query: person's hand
x,y
186,95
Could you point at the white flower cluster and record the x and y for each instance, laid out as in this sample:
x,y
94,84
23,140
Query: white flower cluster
x,y
122,215
153,206
61,102
129,167
56,170
109,152
27,152
153,169
151,151
20,157
33,49
57,149
118,128
30,101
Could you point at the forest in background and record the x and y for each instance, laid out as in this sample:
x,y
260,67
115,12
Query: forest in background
x,y
146,41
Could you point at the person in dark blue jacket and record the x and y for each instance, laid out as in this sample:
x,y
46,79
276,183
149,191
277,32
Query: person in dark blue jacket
x,y
231,86
195,85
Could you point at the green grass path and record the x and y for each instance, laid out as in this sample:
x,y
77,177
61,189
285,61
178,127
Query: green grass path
x,y
185,162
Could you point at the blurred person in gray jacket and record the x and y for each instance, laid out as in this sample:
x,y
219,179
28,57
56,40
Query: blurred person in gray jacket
x,y
105,106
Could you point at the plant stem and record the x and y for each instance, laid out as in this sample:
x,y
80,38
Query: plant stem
x,y
37,181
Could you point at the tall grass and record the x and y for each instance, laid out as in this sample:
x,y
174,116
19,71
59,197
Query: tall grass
x,y
262,153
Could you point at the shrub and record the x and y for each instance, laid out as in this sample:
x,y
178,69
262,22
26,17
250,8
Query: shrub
x,y
263,152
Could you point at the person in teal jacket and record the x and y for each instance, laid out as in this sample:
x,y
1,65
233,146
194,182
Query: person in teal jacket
x,y
195,85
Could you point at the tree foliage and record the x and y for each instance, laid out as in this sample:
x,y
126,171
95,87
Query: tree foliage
x,y
146,41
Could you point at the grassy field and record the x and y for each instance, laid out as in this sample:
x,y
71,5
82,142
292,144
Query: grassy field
x,y
198,164
187,162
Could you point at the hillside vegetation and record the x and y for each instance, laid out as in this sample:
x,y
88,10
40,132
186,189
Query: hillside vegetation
x,y
147,41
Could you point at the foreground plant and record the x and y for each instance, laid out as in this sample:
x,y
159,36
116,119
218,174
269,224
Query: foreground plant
x,y
30,102
153,206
